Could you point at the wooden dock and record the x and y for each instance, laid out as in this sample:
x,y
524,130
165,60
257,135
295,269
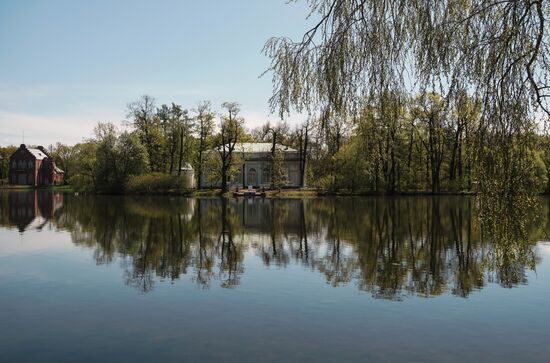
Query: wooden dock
x,y
249,193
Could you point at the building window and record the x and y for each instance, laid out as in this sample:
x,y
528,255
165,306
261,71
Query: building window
x,y
30,164
14,164
239,176
266,176
252,176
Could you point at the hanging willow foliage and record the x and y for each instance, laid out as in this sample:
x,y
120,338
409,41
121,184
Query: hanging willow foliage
x,y
496,51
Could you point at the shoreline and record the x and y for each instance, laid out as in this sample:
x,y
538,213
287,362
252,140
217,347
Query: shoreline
x,y
269,194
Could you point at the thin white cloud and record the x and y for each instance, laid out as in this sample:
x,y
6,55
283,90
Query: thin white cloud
x,y
46,130
17,91
11,91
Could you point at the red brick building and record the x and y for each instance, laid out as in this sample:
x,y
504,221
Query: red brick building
x,y
29,166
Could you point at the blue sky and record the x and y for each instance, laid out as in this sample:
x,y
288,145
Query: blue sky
x,y
66,64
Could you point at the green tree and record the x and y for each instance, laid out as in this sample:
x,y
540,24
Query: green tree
x,y
204,126
106,139
230,133
353,165
212,166
131,158
84,173
106,162
143,116
278,170
359,50
429,119
299,138
163,114
5,153
278,133
63,155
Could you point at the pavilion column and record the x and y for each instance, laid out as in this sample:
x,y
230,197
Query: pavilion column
x,y
243,171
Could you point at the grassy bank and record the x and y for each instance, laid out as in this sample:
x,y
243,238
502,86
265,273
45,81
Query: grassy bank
x,y
344,193
291,193
157,183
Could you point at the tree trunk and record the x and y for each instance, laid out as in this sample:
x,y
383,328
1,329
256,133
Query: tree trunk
x,y
181,153
452,165
224,178
272,172
199,168
172,152
303,158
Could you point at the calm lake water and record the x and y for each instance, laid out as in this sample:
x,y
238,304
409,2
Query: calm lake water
x,y
129,279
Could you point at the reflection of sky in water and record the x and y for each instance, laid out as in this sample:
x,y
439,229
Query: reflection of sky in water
x,y
58,304
544,247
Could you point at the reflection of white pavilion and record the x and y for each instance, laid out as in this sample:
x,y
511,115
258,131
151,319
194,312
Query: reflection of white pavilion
x,y
189,208
259,215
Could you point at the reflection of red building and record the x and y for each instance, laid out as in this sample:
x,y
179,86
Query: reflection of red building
x,y
30,166
29,210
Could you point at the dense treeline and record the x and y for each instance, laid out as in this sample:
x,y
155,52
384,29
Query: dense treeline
x,y
156,141
363,55
420,144
152,147
5,153
398,144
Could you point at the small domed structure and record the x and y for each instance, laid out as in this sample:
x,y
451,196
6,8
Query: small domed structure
x,y
188,174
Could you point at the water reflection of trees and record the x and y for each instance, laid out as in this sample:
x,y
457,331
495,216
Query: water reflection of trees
x,y
389,247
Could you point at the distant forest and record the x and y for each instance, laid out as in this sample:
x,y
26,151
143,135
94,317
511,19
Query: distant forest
x,y
409,144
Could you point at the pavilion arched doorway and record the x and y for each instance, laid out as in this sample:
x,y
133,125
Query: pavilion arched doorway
x,y
252,177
